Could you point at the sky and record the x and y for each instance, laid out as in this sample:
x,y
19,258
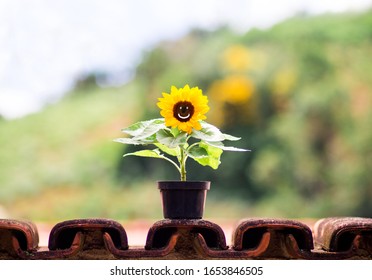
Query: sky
x,y
45,45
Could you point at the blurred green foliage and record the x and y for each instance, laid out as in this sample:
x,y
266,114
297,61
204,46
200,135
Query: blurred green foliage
x,y
299,95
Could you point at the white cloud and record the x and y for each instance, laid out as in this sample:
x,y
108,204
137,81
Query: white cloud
x,y
14,103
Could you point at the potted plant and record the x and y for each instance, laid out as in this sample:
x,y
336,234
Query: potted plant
x,y
181,134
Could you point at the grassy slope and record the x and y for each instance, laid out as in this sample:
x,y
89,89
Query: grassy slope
x,y
69,144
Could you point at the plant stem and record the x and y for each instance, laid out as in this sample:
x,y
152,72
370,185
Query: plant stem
x,y
182,161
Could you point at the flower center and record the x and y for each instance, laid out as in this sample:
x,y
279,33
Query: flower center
x,y
183,111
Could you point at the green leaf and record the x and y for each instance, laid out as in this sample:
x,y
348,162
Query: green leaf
x,y
208,133
212,158
175,131
212,151
144,129
146,153
169,151
134,141
221,146
166,137
197,152
152,154
231,138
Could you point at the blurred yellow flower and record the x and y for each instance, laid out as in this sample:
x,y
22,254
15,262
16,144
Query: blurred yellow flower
x,y
184,108
236,58
234,89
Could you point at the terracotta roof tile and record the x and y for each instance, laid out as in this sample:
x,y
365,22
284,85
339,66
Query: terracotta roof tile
x,y
334,238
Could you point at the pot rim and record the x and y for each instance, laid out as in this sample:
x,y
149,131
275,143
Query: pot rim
x,y
184,185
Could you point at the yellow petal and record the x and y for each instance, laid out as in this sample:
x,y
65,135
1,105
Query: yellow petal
x,y
197,126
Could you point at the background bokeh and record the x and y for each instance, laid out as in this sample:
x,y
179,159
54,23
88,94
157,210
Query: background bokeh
x,y
299,93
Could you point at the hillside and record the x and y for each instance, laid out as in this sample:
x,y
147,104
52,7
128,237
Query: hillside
x,y
299,94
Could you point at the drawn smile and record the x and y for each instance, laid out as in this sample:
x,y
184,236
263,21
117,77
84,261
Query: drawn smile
x,y
184,117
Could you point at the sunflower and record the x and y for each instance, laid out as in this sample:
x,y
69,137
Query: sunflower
x,y
184,108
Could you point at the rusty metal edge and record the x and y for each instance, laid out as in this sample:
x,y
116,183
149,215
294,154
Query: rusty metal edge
x,y
186,224
203,249
328,231
76,246
87,224
140,253
274,224
28,229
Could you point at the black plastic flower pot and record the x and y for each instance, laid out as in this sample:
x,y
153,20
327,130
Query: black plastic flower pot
x,y
183,199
